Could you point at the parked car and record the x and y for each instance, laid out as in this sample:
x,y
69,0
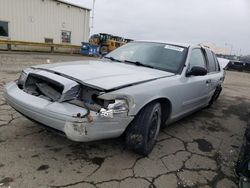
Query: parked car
x,y
236,65
135,90
247,67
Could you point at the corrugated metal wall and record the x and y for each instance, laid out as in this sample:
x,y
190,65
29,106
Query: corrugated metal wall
x,y
35,20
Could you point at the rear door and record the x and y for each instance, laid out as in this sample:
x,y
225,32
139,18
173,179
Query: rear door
x,y
214,78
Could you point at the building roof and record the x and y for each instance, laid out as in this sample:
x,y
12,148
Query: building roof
x,y
72,4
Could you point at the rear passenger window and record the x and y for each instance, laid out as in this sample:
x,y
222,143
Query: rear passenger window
x,y
212,64
197,59
216,62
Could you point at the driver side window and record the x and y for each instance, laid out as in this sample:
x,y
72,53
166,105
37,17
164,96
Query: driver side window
x,y
197,59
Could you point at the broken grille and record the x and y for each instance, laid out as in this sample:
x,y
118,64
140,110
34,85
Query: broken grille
x,y
38,85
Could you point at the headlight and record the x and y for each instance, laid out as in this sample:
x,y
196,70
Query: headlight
x,y
118,107
22,78
121,105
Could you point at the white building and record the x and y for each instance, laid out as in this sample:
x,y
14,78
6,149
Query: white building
x,y
216,49
44,21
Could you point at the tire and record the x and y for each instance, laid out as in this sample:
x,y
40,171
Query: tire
x,y
143,131
103,50
215,96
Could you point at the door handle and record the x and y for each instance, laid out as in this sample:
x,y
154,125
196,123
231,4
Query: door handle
x,y
208,81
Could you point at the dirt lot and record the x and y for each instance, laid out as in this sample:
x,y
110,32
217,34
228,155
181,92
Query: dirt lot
x,y
198,151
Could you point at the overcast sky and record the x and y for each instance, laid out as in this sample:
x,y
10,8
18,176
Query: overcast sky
x,y
194,21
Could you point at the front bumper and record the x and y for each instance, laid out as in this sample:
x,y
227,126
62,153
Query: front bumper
x,y
63,116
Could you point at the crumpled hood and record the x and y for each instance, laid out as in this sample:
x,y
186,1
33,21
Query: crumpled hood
x,y
104,74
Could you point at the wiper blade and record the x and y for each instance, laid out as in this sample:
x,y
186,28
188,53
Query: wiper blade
x,y
132,62
138,63
112,59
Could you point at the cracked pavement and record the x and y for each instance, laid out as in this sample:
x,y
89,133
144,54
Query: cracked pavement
x,y
197,151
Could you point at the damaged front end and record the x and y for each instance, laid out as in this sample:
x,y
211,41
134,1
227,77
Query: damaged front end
x,y
56,88
100,115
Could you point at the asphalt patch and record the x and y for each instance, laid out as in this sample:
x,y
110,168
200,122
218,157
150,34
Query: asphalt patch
x,y
36,155
235,147
97,160
56,149
204,145
238,109
213,126
207,114
217,127
6,181
43,167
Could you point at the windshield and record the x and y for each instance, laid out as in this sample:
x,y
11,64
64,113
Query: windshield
x,y
154,55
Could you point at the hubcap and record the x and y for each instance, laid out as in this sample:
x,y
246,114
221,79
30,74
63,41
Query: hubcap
x,y
153,126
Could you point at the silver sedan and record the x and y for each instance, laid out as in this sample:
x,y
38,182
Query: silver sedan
x,y
136,89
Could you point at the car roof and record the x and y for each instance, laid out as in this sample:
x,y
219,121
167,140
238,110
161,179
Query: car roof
x,y
169,42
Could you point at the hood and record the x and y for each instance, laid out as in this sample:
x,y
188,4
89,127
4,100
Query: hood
x,y
104,74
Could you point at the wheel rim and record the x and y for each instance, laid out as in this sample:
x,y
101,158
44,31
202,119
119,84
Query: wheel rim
x,y
153,126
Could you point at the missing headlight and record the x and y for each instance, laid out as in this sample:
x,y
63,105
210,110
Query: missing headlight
x,y
102,102
21,80
118,107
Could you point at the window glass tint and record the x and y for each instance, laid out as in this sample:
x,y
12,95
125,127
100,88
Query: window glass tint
x,y
160,56
196,59
212,67
217,63
4,30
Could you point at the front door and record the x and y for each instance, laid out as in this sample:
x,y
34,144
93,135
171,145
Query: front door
x,y
195,88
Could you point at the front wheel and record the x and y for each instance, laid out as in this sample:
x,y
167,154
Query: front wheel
x,y
143,131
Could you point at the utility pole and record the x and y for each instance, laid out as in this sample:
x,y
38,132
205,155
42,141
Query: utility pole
x,y
226,44
93,15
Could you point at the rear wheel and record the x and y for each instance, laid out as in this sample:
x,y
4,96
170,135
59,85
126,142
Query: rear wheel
x,y
215,96
142,133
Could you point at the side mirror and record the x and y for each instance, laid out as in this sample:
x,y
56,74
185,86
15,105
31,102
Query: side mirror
x,y
197,71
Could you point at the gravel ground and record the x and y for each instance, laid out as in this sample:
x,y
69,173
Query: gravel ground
x,y
198,151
